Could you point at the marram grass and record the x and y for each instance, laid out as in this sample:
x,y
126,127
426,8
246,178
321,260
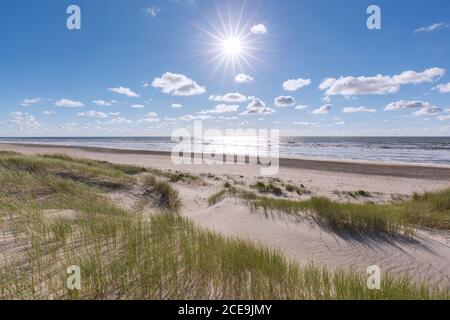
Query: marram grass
x,y
123,255
430,211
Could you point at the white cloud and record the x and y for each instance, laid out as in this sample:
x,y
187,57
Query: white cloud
x,y
379,84
428,75
124,91
103,103
137,106
150,117
243,78
177,85
93,113
29,102
444,88
432,27
176,105
425,108
23,119
428,111
148,120
119,120
244,123
284,101
296,84
221,108
323,109
47,113
301,107
205,117
188,117
444,117
348,86
68,103
307,124
257,107
358,109
406,104
259,29
229,97
228,118
153,10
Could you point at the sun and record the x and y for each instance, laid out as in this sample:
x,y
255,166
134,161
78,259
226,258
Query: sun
x,y
232,46
229,43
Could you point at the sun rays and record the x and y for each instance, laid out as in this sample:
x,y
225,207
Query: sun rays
x,y
228,42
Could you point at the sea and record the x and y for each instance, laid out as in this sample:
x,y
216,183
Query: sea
x,y
425,150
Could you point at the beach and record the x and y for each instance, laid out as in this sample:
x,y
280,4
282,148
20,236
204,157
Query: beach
x,y
425,257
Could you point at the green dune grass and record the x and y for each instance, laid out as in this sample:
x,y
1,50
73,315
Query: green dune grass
x,y
429,210
124,255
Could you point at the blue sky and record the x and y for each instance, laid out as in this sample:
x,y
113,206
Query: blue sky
x,y
306,67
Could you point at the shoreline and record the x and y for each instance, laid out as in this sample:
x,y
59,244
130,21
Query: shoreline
x,y
360,167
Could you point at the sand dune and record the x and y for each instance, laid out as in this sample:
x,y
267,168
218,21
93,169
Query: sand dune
x,y
426,257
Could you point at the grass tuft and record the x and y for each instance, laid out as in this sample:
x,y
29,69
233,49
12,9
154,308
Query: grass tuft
x,y
123,255
166,197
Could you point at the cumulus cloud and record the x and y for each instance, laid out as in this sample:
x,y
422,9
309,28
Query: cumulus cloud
x,y
137,106
428,75
301,107
433,27
284,101
119,120
358,109
169,119
307,124
150,117
103,103
257,107
259,29
124,91
93,113
425,108
379,84
428,111
23,119
444,88
29,102
188,117
221,108
153,10
296,84
229,97
68,103
406,104
47,112
323,109
348,86
444,117
177,85
243,78
176,105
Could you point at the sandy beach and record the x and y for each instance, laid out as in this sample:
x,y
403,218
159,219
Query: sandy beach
x,y
425,257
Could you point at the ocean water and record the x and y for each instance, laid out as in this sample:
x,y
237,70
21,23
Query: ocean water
x,y
435,150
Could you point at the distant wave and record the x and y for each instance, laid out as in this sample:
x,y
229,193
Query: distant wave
x,y
389,149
